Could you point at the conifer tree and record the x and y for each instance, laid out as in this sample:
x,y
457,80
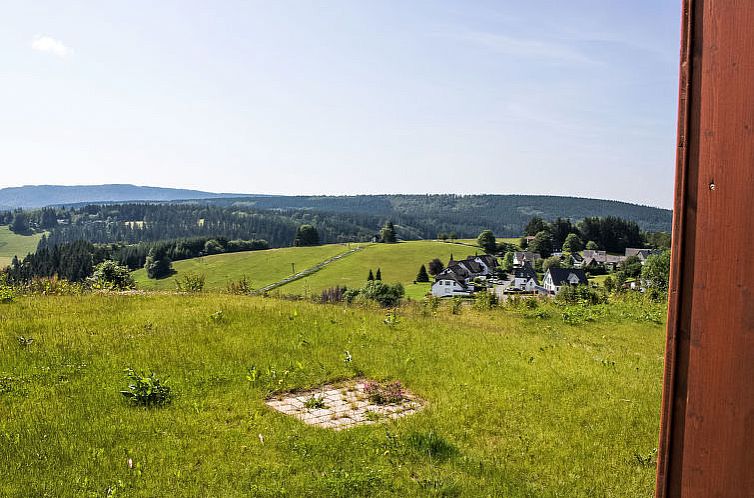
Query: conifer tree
x,y
422,276
378,275
371,276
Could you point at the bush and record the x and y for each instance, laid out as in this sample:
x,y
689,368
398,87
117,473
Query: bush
x,y
485,300
7,295
146,390
580,294
455,305
190,282
385,294
242,286
52,286
109,275
350,295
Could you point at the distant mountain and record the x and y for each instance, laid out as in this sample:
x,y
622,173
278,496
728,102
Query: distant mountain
x,y
35,196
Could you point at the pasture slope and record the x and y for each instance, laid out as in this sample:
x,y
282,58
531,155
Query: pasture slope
x,y
260,267
12,244
398,262
519,402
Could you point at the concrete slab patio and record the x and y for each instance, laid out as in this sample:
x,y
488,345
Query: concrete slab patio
x,y
342,406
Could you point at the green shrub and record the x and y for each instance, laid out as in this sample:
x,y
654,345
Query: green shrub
x,y
109,275
385,294
52,286
190,282
581,294
455,305
485,300
241,286
146,390
7,294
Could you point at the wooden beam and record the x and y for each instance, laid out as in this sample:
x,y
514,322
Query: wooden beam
x,y
707,422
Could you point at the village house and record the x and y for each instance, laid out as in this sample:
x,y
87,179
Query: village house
x,y
642,254
601,260
556,278
525,258
522,279
577,260
457,279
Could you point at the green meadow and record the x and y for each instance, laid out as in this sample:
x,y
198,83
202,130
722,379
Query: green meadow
x,y
260,267
12,244
398,263
537,400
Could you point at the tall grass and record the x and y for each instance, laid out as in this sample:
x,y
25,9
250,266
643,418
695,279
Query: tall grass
x,y
520,400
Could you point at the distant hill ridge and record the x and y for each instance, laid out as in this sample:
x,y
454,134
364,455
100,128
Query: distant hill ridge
x,y
36,196
421,216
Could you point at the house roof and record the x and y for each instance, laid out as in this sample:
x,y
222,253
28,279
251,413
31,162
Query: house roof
x,y
598,256
642,253
526,272
450,274
472,265
527,255
562,275
489,260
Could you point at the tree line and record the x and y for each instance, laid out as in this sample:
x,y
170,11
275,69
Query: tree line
x,y
75,261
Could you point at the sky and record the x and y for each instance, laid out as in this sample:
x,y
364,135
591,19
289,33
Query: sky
x,y
343,96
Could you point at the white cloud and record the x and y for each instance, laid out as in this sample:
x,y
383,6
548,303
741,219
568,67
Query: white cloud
x,y
558,51
44,43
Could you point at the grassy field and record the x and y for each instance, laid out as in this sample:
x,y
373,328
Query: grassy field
x,y
519,403
260,267
12,244
398,263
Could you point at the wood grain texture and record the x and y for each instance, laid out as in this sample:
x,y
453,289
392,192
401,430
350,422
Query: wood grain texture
x,y
707,428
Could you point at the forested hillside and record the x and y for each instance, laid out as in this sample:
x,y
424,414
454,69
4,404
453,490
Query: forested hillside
x,y
466,215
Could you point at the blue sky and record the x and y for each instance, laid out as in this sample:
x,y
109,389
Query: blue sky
x,y
343,97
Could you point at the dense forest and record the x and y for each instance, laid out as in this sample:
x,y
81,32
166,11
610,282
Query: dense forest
x,y
336,219
76,237
466,215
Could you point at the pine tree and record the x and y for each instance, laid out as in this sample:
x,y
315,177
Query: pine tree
x,y
422,276
378,275
371,276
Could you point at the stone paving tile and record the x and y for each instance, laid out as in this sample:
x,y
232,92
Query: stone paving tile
x,y
345,407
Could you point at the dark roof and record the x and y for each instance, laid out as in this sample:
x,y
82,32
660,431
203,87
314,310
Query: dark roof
x,y
450,274
489,260
473,266
526,272
560,275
